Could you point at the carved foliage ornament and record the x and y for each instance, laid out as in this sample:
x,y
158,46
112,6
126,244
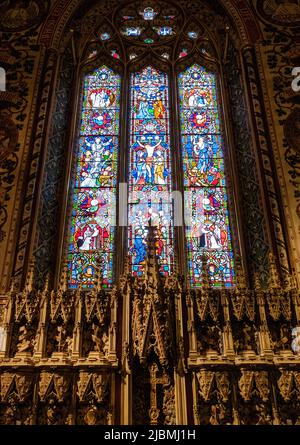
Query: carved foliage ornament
x,y
206,380
57,383
95,384
243,303
207,303
21,382
254,383
279,304
61,304
289,384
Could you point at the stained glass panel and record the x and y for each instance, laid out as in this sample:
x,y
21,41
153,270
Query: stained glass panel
x,y
206,201
150,169
93,216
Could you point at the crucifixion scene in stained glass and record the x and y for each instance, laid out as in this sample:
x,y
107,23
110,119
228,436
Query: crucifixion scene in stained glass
x,y
149,168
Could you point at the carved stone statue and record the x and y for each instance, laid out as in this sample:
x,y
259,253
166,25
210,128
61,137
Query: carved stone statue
x,y
263,417
284,342
218,413
51,414
91,415
97,338
25,340
246,340
63,341
210,339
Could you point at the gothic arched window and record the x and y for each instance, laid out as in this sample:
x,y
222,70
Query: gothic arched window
x,y
150,118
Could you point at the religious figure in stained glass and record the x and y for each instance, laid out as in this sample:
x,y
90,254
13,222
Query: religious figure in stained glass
x,y
94,195
150,180
206,202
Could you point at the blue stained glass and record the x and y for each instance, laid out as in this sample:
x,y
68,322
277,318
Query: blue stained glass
x,y
135,32
148,14
164,30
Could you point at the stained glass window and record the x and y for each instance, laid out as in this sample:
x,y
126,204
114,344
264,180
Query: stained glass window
x,y
206,201
150,169
94,195
148,14
164,30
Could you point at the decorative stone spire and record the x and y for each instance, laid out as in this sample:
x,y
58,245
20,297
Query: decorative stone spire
x,y
257,282
98,278
205,276
29,285
63,282
240,276
151,263
126,268
47,283
13,286
274,280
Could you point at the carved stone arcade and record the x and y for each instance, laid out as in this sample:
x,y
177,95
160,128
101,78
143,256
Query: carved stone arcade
x,y
60,363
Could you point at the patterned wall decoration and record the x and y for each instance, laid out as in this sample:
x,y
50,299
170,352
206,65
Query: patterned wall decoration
x,y
252,207
281,12
19,57
267,160
8,164
47,233
20,15
277,56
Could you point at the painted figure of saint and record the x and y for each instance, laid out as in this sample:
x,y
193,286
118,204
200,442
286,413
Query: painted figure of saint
x,y
159,108
142,109
139,247
101,98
